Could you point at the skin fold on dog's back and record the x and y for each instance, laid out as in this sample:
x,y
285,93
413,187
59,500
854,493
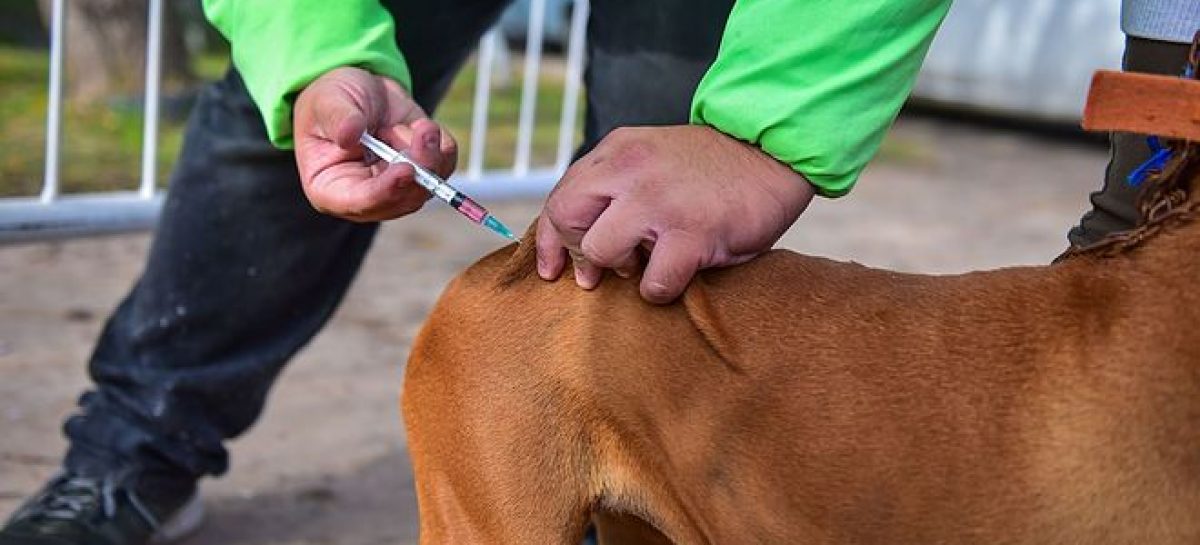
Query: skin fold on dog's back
x,y
795,399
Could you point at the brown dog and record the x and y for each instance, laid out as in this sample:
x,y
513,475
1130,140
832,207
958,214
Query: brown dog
x,y
798,400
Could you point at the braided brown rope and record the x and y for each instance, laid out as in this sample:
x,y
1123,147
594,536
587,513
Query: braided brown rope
x,y
1163,205
1164,202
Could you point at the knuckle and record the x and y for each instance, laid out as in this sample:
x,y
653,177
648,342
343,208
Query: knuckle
x,y
340,211
557,209
320,208
354,213
564,214
317,200
545,229
596,253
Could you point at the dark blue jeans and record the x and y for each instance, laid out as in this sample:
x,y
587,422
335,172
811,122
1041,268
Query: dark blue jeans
x,y
242,272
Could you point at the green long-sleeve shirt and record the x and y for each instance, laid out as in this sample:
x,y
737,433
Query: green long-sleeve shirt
x,y
813,83
280,46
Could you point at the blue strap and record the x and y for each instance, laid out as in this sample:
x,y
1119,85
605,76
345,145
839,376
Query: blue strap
x,y
1156,162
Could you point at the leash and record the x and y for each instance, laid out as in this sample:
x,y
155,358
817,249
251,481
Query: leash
x,y
1167,175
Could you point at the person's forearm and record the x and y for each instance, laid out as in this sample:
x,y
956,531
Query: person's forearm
x,y
816,84
280,46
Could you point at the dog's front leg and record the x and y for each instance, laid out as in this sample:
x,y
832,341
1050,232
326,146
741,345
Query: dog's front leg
x,y
450,514
472,492
492,467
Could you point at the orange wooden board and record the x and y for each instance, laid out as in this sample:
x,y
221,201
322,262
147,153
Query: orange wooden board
x,y
1143,103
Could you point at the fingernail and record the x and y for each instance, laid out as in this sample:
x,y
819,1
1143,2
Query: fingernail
x,y
623,273
542,269
582,281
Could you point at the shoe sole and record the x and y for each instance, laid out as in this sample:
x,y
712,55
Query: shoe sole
x,y
182,524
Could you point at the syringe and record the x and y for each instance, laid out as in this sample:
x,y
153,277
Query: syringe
x,y
438,187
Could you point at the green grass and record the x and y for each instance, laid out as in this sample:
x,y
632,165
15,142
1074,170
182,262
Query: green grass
x,y
455,114
102,144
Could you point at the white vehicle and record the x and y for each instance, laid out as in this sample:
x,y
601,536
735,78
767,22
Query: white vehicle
x,y
1021,58
1024,58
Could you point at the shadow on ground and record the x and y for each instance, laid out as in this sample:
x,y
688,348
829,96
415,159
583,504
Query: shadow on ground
x,y
375,504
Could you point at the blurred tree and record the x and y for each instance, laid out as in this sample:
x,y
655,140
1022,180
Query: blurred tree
x,y
106,48
20,23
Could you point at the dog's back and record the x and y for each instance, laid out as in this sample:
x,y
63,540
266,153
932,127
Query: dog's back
x,y
800,400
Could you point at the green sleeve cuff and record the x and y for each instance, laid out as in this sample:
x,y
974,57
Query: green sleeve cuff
x,y
280,46
816,84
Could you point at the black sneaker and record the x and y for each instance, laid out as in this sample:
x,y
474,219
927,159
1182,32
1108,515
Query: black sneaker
x,y
76,510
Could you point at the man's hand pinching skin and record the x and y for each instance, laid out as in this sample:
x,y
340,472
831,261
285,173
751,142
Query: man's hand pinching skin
x,y
331,113
690,196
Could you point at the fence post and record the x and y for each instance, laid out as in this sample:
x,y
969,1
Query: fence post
x,y
58,44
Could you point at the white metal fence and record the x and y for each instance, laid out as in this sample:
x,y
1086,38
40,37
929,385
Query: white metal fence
x,y
52,214
1028,58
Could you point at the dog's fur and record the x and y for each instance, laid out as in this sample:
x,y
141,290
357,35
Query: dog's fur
x,y
800,400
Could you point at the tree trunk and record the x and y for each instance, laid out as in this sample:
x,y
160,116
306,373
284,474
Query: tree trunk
x,y
106,48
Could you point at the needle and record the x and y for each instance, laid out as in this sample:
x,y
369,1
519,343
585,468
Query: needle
x,y
439,188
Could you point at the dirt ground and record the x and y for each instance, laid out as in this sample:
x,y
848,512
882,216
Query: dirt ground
x,y
327,462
